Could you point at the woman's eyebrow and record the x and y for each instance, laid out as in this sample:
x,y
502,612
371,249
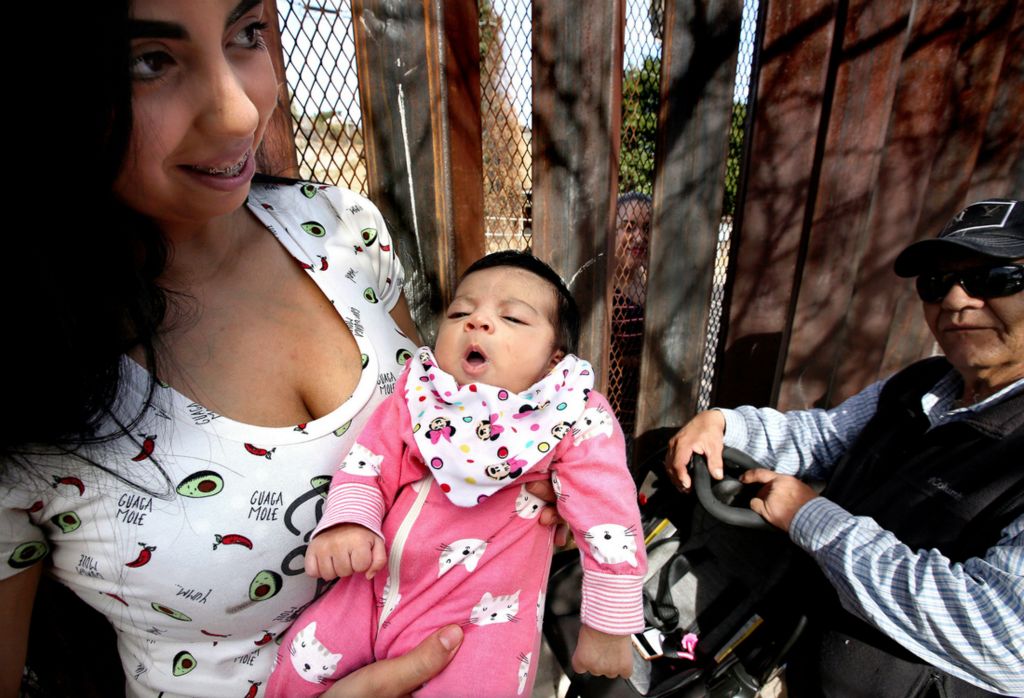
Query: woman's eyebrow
x,y
240,9
155,29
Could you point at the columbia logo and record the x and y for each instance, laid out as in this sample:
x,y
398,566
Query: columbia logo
x,y
945,487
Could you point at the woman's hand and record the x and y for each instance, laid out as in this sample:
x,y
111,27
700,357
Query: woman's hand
x,y
400,676
703,434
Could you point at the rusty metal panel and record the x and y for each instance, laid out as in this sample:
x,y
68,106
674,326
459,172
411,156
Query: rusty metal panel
x,y
277,154
999,171
865,71
399,62
790,92
465,145
577,83
698,69
885,308
983,30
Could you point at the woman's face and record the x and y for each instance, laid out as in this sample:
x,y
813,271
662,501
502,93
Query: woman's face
x,y
203,88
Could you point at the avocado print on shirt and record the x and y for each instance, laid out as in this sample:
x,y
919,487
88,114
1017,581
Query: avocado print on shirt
x,y
204,483
314,229
27,554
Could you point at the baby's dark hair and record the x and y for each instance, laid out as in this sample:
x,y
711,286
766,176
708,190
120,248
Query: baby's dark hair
x,y
567,320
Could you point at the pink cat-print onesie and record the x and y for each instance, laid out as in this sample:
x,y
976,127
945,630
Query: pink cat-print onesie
x,y
482,566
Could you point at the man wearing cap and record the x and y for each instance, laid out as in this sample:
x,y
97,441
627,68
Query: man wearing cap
x,y
918,539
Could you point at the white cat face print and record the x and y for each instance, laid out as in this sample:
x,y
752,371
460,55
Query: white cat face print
x,y
524,671
465,551
611,544
362,461
540,611
310,659
495,609
528,506
593,422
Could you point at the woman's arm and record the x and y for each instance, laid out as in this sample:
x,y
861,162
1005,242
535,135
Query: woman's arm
x,y
400,676
403,318
17,594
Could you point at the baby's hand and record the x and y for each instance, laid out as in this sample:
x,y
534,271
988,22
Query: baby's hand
x,y
343,550
601,654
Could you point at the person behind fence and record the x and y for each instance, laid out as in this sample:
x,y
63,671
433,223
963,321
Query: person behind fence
x,y
918,538
629,295
439,474
193,354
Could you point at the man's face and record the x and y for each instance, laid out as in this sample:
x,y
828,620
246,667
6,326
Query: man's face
x,y
982,338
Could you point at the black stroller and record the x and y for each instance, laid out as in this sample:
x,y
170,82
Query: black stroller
x,y
713,626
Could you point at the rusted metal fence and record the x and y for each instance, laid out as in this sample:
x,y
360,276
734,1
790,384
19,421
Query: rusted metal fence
x,y
866,124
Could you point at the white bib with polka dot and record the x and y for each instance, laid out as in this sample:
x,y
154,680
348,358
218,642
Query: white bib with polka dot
x,y
478,438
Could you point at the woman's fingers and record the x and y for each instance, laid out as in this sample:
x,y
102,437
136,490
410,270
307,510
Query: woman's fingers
x,y
400,676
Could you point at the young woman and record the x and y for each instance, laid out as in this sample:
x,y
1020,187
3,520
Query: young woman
x,y
195,354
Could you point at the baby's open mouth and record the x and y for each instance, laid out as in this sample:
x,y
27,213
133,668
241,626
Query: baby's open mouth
x,y
475,357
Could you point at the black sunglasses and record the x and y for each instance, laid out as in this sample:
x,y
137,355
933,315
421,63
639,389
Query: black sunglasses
x,y
987,282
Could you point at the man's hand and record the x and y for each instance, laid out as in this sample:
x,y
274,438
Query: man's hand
x,y
343,550
400,676
601,654
702,434
780,498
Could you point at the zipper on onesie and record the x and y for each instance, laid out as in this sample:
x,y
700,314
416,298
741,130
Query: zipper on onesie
x,y
422,488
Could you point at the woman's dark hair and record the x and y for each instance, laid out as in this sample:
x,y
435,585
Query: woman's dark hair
x,y
567,322
85,289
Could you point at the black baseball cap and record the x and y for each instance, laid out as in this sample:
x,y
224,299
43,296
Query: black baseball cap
x,y
991,228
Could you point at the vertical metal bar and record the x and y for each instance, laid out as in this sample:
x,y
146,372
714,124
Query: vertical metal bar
x,y
277,154
698,70
462,71
792,74
577,84
398,56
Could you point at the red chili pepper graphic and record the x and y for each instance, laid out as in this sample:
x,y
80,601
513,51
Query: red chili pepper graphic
x,y
323,262
301,427
267,637
304,265
252,689
36,506
116,597
145,555
257,451
267,206
69,480
357,248
231,539
208,633
148,442
385,248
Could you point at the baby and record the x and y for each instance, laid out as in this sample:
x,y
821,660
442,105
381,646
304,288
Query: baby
x,y
438,473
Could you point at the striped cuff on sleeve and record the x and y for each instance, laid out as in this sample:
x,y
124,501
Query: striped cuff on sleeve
x,y
612,603
353,503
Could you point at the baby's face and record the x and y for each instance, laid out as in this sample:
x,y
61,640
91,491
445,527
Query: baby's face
x,y
498,330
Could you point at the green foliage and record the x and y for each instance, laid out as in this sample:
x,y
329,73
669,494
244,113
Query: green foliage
x,y
735,157
640,99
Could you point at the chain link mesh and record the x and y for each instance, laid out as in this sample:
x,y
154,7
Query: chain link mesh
x,y
320,69
740,111
506,81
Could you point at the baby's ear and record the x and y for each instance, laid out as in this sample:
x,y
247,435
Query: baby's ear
x,y
555,358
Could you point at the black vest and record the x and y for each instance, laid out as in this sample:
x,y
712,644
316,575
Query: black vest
x,y
953,488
